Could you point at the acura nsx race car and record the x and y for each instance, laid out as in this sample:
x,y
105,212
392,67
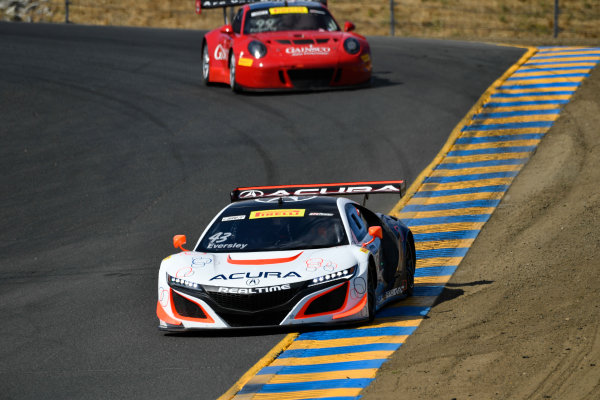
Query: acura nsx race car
x,y
289,255
284,45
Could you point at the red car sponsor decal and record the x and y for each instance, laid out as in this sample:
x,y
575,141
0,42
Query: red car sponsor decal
x,y
308,51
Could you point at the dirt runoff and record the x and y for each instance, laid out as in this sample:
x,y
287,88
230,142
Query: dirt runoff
x,y
520,317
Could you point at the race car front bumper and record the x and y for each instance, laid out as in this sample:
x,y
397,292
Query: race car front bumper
x,y
254,74
336,301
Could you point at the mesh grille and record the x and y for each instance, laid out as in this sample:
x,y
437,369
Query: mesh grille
x,y
303,41
253,302
311,77
329,302
186,308
265,318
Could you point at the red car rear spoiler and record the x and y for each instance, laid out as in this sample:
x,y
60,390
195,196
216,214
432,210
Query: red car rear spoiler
x,y
208,4
325,189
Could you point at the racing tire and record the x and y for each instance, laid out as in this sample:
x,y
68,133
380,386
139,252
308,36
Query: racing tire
x,y
234,86
205,65
410,266
371,288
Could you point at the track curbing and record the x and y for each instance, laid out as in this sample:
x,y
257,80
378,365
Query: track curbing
x,y
446,207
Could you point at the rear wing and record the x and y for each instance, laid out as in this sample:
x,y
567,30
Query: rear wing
x,y
325,189
208,4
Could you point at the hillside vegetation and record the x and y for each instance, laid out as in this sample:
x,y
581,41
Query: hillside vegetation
x,y
505,20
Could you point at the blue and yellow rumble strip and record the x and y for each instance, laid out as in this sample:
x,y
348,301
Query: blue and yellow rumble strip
x,y
446,209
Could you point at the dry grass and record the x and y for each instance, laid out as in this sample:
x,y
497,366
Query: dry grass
x,y
505,20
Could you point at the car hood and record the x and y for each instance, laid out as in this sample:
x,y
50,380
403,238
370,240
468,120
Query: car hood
x,y
303,43
258,269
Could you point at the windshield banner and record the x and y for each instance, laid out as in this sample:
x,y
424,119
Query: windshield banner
x,y
221,3
207,4
327,189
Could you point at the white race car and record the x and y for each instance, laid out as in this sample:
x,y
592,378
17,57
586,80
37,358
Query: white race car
x,y
289,255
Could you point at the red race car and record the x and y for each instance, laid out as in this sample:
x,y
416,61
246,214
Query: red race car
x,y
284,45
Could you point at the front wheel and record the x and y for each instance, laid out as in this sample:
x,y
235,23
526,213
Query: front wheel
x,y
371,288
234,86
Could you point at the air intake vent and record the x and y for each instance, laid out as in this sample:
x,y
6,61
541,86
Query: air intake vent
x,y
305,78
304,41
255,301
329,302
186,308
266,318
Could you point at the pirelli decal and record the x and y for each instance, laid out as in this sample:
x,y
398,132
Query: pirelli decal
x,y
277,213
288,10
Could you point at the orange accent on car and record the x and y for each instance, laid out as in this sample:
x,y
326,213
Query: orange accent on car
x,y
353,310
179,241
263,261
207,320
163,316
301,315
374,231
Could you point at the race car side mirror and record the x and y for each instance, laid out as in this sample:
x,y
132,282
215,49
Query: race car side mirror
x,y
349,26
179,241
374,231
227,29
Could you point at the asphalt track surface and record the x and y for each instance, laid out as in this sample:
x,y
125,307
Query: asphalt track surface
x,y
110,145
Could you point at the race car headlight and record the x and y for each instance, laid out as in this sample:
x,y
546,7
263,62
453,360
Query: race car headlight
x,y
182,283
351,46
334,276
257,49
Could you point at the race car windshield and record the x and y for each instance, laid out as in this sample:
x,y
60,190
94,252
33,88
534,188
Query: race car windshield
x,y
272,227
278,19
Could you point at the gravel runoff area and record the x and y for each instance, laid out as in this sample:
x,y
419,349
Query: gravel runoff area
x,y
520,317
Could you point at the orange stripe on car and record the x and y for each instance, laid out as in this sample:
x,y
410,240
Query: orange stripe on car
x,y
163,316
301,315
353,310
263,261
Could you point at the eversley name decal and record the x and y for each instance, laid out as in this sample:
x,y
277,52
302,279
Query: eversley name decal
x,y
226,246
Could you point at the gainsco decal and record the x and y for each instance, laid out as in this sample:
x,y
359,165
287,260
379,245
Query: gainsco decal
x,y
259,290
277,213
308,51
245,275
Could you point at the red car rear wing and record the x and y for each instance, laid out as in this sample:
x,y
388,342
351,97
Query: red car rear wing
x,y
325,189
207,4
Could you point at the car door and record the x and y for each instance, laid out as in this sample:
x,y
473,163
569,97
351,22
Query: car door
x,y
225,41
359,229
389,247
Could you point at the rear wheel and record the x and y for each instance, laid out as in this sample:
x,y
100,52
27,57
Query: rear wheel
x,y
410,265
205,65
